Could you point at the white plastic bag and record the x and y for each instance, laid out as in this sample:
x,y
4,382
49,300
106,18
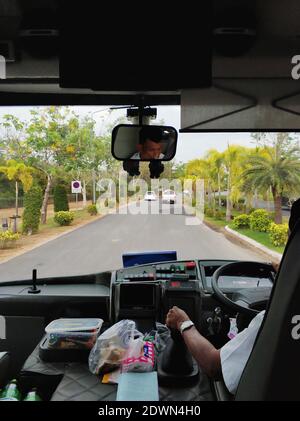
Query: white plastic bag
x,y
111,346
140,357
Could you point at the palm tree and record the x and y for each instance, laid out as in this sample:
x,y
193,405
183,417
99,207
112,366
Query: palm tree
x,y
278,168
216,160
234,157
202,169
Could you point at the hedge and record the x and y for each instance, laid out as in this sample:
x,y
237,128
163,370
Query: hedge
x,y
241,221
92,210
60,199
64,217
8,239
278,234
260,220
32,210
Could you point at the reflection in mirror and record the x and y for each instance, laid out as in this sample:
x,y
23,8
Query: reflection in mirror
x,y
144,143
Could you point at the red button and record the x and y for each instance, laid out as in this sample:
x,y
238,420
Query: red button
x,y
175,284
190,265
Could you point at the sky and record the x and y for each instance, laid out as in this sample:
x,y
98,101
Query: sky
x,y
190,145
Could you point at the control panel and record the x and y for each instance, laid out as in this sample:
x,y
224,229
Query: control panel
x,y
168,271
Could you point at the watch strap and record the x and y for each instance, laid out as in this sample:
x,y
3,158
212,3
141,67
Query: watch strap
x,y
186,325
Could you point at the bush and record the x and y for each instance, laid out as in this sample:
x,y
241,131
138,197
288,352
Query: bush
x,y
241,221
60,199
63,217
260,220
278,234
208,212
33,200
220,214
8,239
92,209
240,205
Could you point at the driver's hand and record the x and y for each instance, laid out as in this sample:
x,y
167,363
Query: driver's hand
x,y
175,317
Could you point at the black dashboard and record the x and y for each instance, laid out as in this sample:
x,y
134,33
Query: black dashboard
x,y
148,291
144,292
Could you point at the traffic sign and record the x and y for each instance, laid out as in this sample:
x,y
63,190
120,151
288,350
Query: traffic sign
x,y
76,186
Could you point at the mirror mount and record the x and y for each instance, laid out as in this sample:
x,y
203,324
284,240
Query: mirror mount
x,y
132,167
156,168
141,113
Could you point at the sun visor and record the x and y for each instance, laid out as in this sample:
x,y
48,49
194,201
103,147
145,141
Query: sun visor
x,y
249,104
157,49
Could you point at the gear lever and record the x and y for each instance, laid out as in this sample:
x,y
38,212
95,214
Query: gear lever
x,y
176,365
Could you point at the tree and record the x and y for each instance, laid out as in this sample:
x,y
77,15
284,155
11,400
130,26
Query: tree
x,y
216,163
234,157
278,167
89,155
19,173
13,138
48,135
60,198
32,209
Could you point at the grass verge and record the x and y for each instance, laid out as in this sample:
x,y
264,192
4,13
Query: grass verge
x,y
260,237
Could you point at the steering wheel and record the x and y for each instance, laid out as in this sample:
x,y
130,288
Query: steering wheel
x,y
245,299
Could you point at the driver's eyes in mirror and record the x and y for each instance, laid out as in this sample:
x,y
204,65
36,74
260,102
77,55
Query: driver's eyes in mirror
x,y
144,143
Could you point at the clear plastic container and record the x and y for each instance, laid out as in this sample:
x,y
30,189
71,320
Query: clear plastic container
x,y
73,333
72,340
74,325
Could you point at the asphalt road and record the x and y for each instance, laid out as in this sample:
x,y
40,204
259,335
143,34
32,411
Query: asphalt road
x,y
99,245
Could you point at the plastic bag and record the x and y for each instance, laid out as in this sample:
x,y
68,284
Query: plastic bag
x,y
140,357
111,347
143,352
160,336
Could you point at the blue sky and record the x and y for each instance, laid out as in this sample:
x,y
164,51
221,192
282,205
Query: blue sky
x,y
190,145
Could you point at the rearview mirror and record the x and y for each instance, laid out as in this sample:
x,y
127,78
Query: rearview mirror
x,y
144,143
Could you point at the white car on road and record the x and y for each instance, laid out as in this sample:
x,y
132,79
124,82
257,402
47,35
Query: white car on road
x,y
150,195
169,196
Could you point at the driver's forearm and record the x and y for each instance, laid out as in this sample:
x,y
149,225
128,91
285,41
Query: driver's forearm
x,y
206,355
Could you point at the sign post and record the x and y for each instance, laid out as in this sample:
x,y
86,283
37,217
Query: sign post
x,y
76,188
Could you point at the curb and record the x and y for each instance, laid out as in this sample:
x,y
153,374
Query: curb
x,y
51,239
254,243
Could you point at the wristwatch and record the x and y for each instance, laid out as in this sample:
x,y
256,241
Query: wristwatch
x,y
186,325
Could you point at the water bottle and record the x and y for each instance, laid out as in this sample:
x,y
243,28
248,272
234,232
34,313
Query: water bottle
x,y
32,395
11,392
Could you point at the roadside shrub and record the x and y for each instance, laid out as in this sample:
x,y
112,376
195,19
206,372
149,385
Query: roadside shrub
x,y
260,220
208,212
60,199
240,205
33,200
63,217
241,221
8,239
220,214
92,209
278,234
